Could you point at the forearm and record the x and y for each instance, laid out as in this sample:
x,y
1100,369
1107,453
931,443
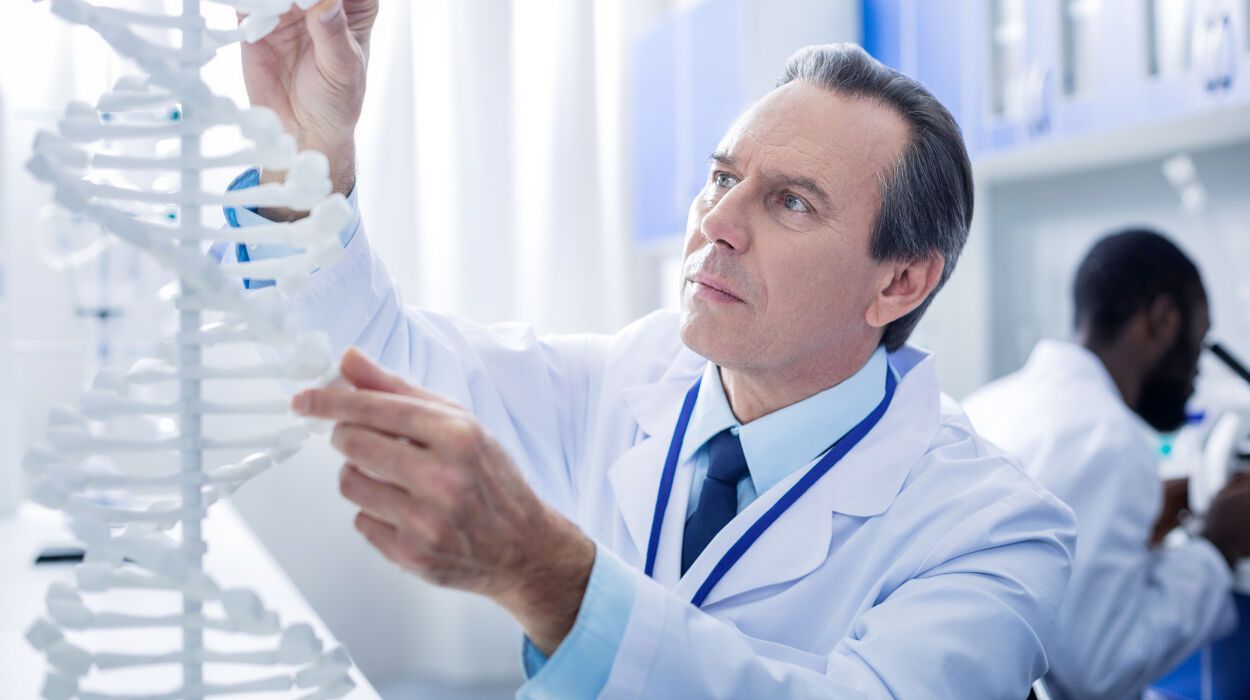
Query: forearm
x,y
342,164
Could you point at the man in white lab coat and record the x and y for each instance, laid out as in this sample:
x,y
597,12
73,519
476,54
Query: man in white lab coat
x,y
763,496
1080,416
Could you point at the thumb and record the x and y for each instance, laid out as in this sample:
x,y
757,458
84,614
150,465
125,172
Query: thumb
x,y
361,372
333,46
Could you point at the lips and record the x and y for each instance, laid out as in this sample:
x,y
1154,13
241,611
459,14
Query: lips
x,y
715,284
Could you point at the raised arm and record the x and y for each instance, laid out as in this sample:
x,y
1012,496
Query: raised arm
x,y
311,72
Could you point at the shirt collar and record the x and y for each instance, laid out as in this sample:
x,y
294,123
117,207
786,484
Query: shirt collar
x,y
784,440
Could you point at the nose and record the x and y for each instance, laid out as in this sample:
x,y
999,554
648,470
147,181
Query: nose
x,y
727,222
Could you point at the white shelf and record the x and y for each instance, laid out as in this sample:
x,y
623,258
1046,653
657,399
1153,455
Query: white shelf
x,y
1128,145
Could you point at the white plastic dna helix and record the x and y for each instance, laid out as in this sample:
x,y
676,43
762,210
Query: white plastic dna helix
x,y
158,545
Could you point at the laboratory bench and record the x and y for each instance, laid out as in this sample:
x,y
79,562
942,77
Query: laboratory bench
x,y
235,558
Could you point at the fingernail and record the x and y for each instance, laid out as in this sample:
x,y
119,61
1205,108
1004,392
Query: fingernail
x,y
301,402
332,12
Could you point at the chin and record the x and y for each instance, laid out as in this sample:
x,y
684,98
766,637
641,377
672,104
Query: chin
x,y
713,338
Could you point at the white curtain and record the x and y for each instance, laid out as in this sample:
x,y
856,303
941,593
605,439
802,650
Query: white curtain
x,y
492,158
492,181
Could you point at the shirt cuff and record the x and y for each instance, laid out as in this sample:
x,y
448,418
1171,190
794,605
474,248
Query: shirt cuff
x,y
244,217
580,666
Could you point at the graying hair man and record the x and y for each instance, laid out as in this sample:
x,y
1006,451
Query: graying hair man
x,y
764,495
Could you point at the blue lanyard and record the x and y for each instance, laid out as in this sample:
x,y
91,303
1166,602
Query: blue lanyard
x,y
835,454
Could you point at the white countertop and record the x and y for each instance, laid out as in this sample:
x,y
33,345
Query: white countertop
x,y
235,558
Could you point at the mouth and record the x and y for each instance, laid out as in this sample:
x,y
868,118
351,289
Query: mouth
x,y
713,288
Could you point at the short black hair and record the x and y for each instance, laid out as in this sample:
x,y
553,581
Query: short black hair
x,y
926,199
1124,273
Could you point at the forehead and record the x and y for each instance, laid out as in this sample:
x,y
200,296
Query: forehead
x,y
801,129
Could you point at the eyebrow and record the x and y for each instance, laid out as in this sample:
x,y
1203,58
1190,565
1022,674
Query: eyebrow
x,y
792,181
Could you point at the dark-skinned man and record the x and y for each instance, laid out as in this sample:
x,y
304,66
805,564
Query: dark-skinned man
x,y
1080,416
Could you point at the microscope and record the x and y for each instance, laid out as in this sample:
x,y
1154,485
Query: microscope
x,y
1225,453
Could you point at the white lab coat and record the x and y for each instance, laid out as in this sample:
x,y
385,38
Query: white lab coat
x,y
924,565
1132,612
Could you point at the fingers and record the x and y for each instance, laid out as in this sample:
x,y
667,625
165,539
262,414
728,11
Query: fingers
x,y
384,501
363,373
337,55
398,462
415,419
383,536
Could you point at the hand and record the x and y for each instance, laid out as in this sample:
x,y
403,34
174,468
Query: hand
x,y
310,70
1175,503
439,497
1227,522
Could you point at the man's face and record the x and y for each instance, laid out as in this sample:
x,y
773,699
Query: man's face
x,y
1167,388
777,266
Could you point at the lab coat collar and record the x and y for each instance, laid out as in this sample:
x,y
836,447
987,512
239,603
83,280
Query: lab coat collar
x,y
782,441
1058,359
863,484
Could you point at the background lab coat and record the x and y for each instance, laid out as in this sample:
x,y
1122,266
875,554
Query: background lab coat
x,y
1132,612
925,565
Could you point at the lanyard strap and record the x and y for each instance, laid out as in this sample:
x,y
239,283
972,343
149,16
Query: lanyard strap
x,y
835,454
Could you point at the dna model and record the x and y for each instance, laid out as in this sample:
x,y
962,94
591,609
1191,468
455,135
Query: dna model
x,y
153,538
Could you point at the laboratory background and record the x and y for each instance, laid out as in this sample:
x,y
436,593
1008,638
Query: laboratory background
x,y
534,161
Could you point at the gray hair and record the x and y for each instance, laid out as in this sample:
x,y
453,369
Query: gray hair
x,y
926,198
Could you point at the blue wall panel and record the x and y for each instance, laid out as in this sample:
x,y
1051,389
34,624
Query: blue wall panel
x,y
654,135
716,92
881,31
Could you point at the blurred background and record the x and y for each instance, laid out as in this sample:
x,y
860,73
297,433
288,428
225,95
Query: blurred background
x,y
534,161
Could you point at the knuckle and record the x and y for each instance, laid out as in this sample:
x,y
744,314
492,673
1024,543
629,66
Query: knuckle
x,y
465,435
452,483
347,485
351,441
339,437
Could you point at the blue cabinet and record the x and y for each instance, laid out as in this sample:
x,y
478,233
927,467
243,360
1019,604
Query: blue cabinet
x,y
1019,73
1217,672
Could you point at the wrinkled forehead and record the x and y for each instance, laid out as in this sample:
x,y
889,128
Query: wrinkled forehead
x,y
807,130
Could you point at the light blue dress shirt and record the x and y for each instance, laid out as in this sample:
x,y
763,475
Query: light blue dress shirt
x,y
775,445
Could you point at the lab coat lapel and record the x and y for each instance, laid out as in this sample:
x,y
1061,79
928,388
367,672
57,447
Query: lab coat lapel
x,y
863,484
635,475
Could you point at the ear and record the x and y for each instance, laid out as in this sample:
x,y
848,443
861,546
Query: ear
x,y
1163,321
904,286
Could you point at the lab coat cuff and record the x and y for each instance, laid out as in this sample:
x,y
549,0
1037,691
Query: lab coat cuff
x,y
1215,561
1224,578
242,217
580,666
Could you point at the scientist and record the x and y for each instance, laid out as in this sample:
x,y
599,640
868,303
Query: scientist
x,y
1080,416
762,496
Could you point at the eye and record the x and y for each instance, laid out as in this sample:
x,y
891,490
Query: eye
x,y
724,179
794,203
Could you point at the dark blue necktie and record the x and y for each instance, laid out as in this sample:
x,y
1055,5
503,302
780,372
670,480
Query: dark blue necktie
x,y
718,502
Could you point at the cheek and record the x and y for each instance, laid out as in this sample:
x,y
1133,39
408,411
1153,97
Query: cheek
x,y
815,288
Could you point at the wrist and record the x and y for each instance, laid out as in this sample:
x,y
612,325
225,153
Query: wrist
x,y
342,179
548,586
1222,546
